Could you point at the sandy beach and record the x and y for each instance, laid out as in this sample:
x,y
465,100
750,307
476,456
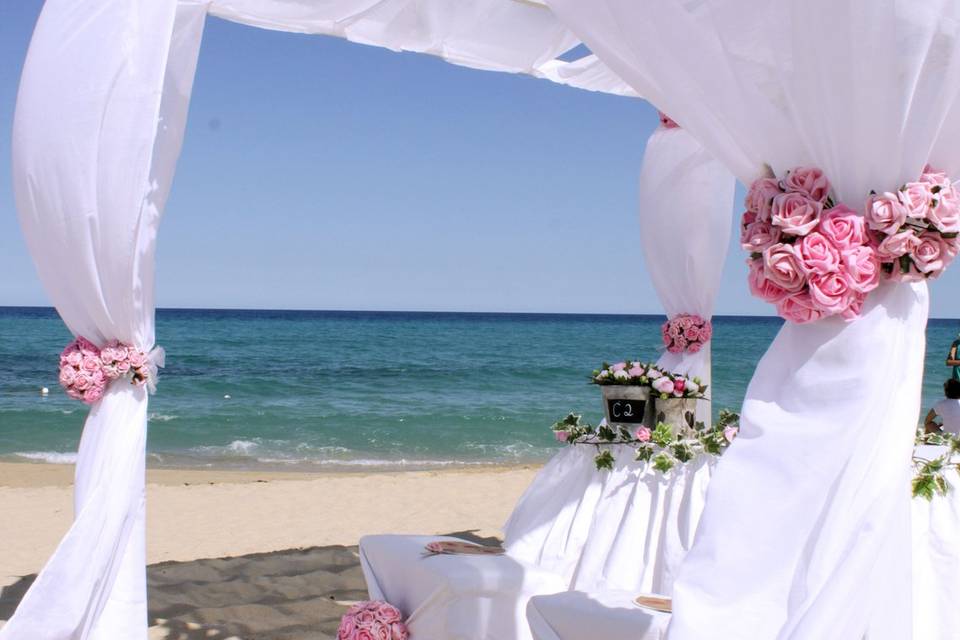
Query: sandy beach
x,y
250,554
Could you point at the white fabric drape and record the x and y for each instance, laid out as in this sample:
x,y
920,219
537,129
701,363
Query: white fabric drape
x,y
94,148
807,508
686,200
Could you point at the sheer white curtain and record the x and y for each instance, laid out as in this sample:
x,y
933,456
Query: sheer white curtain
x,y
94,149
686,202
808,509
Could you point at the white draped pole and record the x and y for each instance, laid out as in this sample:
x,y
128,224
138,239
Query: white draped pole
x,y
99,120
686,202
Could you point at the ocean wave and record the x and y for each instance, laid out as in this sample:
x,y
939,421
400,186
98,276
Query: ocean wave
x,y
160,417
50,457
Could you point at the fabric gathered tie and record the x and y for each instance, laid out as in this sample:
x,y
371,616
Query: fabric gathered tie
x,y
86,369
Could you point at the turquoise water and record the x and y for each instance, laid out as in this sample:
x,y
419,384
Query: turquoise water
x,y
360,389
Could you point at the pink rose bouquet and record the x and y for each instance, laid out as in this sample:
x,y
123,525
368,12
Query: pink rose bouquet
x,y
686,332
809,256
915,229
86,370
372,620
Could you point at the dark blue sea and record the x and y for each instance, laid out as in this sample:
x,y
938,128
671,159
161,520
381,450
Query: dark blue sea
x,y
360,390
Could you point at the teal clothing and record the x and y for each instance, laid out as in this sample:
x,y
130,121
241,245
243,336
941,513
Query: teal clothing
x,y
956,369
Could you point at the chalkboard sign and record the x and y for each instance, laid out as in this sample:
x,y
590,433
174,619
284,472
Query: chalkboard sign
x,y
625,411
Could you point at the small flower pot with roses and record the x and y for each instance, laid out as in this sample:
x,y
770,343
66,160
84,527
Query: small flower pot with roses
x,y
675,399
625,387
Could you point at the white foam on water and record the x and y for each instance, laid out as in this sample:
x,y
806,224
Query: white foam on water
x,y
50,457
160,417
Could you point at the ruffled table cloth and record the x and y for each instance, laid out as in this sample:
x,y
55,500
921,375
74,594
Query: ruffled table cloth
x,y
610,615
575,528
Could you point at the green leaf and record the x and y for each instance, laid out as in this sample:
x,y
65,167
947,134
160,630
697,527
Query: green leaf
x,y
663,462
662,435
604,460
644,453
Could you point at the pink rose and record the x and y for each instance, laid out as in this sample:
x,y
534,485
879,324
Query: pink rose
x,y
862,265
748,217
123,367
819,255
561,436
620,366
928,254
653,373
852,312
67,376
642,434
364,634
82,381
761,286
729,433
365,618
783,265
885,212
636,371
760,197
842,227
694,347
137,358
92,394
830,292
798,308
91,363
917,199
381,631
663,385
897,245
795,213
945,216
74,358
680,344
347,627
809,181
934,177
678,385
951,247
758,236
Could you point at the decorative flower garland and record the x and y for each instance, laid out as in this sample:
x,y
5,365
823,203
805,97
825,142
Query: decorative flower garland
x,y
639,374
929,479
814,258
372,620
86,370
665,446
686,332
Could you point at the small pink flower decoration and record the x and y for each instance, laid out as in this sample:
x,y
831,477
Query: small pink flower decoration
x,y
372,620
86,370
561,436
686,332
643,434
729,433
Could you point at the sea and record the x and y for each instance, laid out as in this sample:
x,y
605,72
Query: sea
x,y
358,390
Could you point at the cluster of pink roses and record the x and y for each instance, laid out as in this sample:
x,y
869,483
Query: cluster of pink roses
x,y
809,256
639,374
676,385
915,229
373,620
86,370
686,332
815,258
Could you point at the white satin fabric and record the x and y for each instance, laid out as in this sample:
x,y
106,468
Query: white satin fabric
x,y
686,200
867,90
95,141
610,615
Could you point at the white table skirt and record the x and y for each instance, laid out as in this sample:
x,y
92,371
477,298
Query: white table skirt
x,y
608,615
628,528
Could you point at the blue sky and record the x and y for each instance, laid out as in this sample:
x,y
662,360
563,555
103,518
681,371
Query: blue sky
x,y
321,174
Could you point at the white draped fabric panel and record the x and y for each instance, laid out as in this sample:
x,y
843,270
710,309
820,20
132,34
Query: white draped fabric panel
x,y
95,142
808,508
686,200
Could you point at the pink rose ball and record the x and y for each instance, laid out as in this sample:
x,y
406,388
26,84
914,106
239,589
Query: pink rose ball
x,y
760,198
808,181
885,213
798,308
819,254
783,265
795,213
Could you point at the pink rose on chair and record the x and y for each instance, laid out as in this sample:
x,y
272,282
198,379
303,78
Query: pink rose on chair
x,y
898,244
795,213
842,227
928,254
799,308
760,198
863,268
917,199
783,265
758,236
761,286
819,254
885,213
809,181
830,292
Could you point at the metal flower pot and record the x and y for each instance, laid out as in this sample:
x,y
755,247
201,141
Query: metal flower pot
x,y
627,405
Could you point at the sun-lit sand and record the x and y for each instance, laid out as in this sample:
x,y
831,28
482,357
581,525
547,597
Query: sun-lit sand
x,y
309,521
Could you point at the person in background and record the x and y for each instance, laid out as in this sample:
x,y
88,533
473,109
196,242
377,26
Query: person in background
x,y
953,359
948,410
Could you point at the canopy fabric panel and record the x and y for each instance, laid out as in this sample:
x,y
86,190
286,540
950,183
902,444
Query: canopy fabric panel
x,y
516,36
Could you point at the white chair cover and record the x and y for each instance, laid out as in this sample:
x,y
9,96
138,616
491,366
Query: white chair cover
x,y
808,508
610,615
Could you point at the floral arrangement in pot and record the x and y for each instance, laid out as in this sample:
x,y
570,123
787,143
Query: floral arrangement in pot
x,y
629,386
664,446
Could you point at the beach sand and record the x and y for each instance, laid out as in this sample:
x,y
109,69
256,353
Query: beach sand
x,y
255,555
